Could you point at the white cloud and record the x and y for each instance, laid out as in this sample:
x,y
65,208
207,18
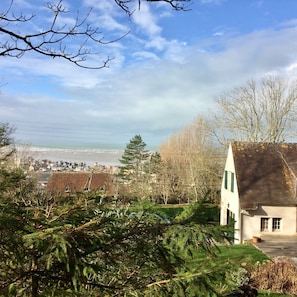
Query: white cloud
x,y
289,23
146,21
106,6
21,4
144,55
157,42
219,33
153,87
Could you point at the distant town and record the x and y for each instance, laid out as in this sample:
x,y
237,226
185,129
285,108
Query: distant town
x,y
48,166
43,168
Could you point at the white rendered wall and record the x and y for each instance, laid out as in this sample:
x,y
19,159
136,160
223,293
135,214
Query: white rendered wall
x,y
230,200
251,225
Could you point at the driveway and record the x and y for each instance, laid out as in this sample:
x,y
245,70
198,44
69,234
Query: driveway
x,y
279,246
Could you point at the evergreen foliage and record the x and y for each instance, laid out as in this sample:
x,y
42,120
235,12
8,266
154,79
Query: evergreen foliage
x,y
134,175
53,246
133,159
81,248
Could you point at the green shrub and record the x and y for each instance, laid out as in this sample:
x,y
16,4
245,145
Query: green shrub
x,y
169,212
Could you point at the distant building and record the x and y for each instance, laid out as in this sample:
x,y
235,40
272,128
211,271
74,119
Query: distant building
x,y
72,182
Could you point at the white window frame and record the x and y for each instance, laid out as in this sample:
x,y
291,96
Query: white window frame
x,y
276,224
270,224
264,224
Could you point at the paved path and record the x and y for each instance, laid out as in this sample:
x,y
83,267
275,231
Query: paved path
x,y
279,246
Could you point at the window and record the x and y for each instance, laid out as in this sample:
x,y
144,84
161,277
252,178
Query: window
x,y
264,224
232,181
229,184
276,224
226,179
230,216
271,224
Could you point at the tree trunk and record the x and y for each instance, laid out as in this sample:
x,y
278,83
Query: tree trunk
x,y
34,286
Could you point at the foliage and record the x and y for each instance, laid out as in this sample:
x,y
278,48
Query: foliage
x,y
5,135
191,164
277,276
13,182
153,170
135,154
239,277
77,246
83,249
170,211
201,212
238,258
138,169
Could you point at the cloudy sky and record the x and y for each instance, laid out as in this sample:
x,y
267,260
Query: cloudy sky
x,y
164,73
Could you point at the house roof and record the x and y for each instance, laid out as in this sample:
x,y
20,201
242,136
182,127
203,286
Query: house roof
x,y
61,182
266,173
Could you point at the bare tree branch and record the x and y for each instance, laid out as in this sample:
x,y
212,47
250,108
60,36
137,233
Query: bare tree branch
x,y
55,41
259,112
129,5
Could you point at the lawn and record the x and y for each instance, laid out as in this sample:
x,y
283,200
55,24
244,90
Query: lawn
x,y
241,253
235,256
271,294
229,256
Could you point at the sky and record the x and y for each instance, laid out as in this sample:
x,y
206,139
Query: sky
x,y
163,74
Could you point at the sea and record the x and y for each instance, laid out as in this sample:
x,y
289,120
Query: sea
x,y
90,156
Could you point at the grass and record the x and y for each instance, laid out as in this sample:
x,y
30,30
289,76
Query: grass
x,y
241,254
234,255
270,294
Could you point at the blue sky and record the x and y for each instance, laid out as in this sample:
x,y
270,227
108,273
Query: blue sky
x,y
165,72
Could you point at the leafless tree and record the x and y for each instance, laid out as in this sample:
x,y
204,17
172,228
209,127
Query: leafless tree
x,y
258,112
193,162
16,38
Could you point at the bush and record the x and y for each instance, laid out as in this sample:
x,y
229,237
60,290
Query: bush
x,y
239,277
277,276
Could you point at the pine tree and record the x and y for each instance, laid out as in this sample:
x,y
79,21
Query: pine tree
x,y
132,169
81,248
50,246
153,168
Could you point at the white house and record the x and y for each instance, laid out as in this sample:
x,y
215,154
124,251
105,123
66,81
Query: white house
x,y
259,189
